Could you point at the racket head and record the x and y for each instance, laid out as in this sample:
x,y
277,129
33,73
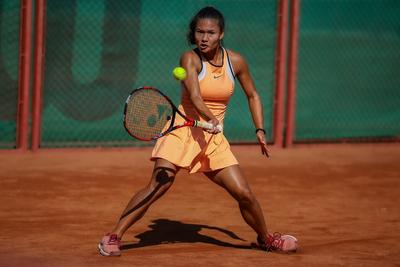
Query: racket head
x,y
148,114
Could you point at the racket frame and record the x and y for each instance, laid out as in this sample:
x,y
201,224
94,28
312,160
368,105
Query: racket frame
x,y
189,122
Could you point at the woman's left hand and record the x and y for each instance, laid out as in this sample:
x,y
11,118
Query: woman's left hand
x,y
215,123
263,143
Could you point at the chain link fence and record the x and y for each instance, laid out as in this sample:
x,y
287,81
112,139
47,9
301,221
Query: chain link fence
x,y
349,70
97,51
9,43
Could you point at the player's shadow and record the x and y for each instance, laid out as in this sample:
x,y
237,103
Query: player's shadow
x,y
164,231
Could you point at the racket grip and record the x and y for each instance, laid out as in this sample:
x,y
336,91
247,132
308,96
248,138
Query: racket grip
x,y
208,126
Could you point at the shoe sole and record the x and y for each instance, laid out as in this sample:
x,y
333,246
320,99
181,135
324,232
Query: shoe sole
x,y
106,254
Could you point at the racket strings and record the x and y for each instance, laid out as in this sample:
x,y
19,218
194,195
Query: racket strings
x,y
148,113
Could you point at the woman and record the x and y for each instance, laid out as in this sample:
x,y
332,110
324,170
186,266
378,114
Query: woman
x,y
211,72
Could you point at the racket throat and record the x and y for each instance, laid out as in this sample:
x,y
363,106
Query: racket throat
x,y
190,123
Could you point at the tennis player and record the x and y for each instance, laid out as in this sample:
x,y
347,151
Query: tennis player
x,y
211,73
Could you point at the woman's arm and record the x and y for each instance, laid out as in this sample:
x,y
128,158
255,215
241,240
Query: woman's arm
x,y
191,63
246,81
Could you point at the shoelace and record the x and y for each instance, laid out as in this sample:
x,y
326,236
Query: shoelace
x,y
113,240
273,242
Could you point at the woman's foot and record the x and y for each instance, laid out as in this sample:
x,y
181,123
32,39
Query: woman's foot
x,y
278,242
109,245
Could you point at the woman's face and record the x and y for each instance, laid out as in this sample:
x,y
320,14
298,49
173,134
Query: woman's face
x,y
207,35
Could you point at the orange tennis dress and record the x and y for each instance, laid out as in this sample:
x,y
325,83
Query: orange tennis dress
x,y
192,148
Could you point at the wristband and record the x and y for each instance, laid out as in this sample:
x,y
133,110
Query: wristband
x,y
260,129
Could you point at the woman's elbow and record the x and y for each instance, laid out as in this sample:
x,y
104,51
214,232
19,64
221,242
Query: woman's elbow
x,y
254,97
195,98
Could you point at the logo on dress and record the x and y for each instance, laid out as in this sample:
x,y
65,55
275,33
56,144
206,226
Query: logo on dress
x,y
216,77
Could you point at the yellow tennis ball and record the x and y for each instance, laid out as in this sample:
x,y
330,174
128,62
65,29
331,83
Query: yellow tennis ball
x,y
179,73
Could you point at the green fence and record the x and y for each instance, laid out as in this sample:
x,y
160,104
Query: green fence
x,y
97,51
349,70
9,34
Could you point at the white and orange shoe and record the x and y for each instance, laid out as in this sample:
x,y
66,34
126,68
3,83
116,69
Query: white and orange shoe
x,y
109,245
278,242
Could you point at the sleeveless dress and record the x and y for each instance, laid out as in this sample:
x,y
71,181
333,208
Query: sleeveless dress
x,y
192,148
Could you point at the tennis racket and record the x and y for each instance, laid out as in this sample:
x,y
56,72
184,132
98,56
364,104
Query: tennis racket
x,y
149,114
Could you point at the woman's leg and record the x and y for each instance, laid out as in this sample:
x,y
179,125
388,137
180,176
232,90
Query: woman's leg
x,y
161,180
232,179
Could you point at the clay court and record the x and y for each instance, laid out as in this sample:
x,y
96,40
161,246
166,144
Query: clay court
x,y
341,201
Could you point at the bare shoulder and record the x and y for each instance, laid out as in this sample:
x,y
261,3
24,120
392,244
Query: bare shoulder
x,y
238,61
188,54
190,59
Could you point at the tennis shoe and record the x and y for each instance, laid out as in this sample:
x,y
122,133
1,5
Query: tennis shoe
x,y
109,245
278,242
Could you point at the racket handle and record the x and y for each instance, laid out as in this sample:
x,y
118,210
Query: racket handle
x,y
208,126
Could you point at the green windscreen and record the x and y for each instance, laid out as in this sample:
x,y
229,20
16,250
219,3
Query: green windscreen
x,y
349,70
9,42
97,51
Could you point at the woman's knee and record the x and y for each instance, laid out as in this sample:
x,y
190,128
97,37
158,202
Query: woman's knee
x,y
245,196
162,179
164,172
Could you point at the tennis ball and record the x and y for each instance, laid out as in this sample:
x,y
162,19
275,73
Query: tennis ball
x,y
179,73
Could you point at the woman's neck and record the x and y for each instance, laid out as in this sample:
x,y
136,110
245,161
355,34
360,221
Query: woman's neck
x,y
215,57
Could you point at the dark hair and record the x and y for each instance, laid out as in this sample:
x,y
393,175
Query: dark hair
x,y
207,12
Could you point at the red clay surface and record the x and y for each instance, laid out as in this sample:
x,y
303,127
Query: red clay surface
x,y
341,201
